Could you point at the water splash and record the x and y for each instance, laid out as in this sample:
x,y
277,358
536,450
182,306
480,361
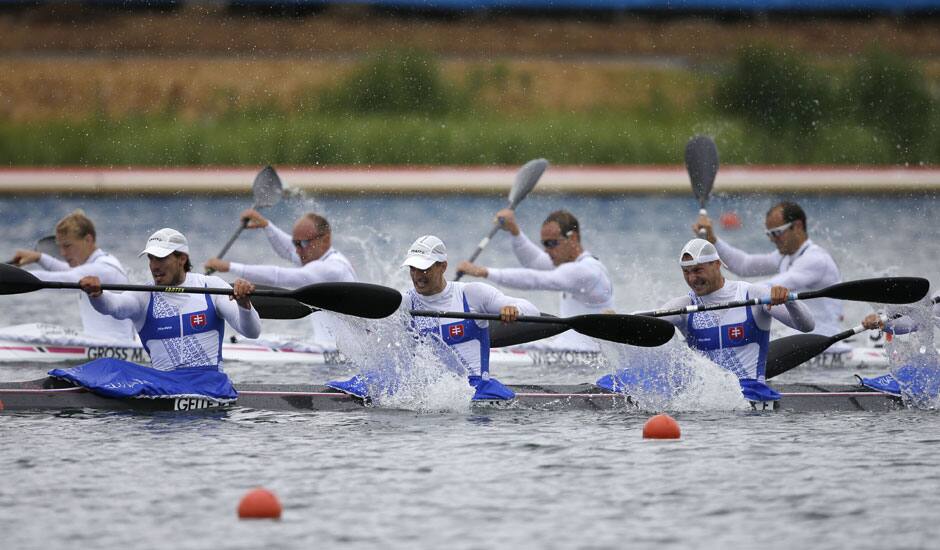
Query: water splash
x,y
673,377
405,370
914,360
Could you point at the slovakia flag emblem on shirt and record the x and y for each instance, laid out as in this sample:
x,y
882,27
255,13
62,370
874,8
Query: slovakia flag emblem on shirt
x,y
736,332
456,331
197,320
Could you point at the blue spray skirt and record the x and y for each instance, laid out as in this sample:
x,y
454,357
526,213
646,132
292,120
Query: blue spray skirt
x,y
628,381
110,377
919,383
360,385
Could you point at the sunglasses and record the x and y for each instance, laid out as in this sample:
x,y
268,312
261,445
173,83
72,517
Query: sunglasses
x,y
304,243
775,232
552,243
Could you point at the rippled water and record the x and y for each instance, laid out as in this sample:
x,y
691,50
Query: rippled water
x,y
468,480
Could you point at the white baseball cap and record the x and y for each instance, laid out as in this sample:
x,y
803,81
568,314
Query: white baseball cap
x,y
701,251
165,242
425,252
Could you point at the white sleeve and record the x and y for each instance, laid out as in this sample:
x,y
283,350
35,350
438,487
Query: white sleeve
x,y
48,263
748,265
103,271
124,305
792,314
529,254
281,243
570,276
488,299
289,277
246,322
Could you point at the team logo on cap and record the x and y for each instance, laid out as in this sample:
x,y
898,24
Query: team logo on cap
x,y
455,331
197,320
736,332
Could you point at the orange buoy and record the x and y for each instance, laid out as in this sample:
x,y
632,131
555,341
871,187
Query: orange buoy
x,y
730,220
259,504
1,405
661,426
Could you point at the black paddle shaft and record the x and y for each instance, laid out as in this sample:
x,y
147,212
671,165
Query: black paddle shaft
x,y
625,329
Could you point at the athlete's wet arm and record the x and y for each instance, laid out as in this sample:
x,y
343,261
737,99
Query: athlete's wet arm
x,y
124,305
568,277
792,314
748,265
288,277
487,299
906,324
106,273
48,263
282,243
530,254
245,321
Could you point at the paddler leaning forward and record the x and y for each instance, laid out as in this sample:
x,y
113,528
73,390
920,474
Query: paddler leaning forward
x,y
737,339
183,333
470,339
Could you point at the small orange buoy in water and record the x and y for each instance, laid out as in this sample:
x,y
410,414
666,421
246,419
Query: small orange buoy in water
x,y
259,504
730,220
661,426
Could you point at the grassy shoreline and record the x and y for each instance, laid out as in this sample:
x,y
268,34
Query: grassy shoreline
x,y
614,138
411,108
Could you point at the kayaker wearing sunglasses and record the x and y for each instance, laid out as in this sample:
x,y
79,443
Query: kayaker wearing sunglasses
x,y
310,249
561,264
798,263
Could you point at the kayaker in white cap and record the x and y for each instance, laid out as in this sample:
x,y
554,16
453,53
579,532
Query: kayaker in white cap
x,y
798,264
427,262
179,331
561,264
736,339
75,234
310,249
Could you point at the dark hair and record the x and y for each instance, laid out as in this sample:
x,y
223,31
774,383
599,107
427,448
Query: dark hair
x,y
565,220
189,265
790,211
319,222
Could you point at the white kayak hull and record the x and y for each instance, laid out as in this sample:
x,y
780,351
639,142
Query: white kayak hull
x,y
45,343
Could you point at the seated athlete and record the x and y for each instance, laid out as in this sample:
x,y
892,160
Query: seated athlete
x,y
183,333
736,339
427,262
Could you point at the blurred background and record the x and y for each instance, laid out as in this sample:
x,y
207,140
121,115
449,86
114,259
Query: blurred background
x,y
467,82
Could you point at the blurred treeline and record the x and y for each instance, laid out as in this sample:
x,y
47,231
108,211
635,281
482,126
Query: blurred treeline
x,y
765,106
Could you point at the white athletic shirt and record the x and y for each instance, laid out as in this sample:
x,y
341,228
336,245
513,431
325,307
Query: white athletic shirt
x,y
333,266
481,298
134,306
584,283
792,314
107,268
809,268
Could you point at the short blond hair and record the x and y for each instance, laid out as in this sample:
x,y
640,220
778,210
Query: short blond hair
x,y
76,224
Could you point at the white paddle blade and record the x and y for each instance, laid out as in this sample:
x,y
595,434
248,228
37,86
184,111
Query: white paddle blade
x,y
526,179
267,188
